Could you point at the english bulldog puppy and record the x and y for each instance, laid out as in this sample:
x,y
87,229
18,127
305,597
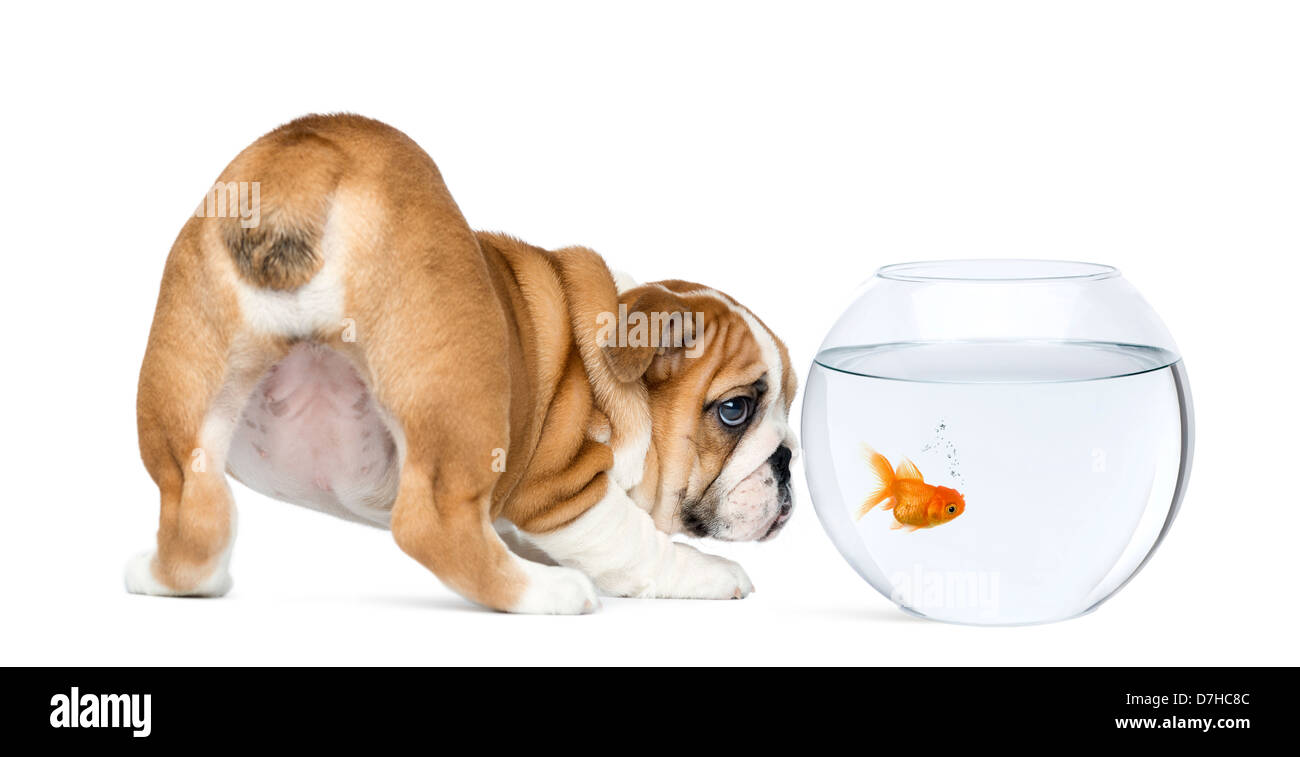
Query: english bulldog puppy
x,y
331,333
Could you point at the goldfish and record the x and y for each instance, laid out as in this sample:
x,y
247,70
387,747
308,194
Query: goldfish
x,y
915,503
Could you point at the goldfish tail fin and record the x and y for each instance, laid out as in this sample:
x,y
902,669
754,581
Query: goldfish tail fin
x,y
884,477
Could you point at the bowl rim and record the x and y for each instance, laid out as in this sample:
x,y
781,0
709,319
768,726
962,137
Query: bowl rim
x,y
996,270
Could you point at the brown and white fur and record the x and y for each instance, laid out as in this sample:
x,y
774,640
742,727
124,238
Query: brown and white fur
x,y
363,352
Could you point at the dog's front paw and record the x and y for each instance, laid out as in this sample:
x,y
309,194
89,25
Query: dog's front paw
x,y
705,576
556,591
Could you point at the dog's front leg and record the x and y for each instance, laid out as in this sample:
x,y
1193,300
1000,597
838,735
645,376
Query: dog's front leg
x,y
618,546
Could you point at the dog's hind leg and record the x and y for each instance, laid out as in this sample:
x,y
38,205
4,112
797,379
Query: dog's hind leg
x,y
198,371
450,393
453,416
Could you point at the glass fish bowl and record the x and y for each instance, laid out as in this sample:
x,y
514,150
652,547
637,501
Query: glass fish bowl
x,y
997,442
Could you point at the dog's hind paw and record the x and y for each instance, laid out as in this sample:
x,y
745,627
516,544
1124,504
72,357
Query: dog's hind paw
x,y
557,591
141,579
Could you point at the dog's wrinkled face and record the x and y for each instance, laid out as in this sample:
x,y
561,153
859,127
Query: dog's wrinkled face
x,y
720,390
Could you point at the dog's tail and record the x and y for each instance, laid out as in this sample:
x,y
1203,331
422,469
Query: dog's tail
x,y
272,201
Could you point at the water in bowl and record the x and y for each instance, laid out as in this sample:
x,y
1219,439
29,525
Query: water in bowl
x,y
1071,457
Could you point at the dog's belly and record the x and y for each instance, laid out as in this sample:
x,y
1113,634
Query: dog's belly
x,y
313,435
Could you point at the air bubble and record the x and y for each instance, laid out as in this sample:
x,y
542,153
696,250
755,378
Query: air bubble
x,y
941,442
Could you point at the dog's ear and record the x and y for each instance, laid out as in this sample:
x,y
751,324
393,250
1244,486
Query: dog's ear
x,y
649,335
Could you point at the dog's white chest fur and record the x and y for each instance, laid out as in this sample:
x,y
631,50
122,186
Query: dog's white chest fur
x,y
312,434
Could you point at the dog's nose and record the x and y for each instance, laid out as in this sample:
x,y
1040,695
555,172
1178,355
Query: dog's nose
x,y
781,464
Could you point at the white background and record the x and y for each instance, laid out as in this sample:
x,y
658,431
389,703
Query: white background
x,y
780,153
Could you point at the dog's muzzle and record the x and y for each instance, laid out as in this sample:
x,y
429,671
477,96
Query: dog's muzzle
x,y
780,462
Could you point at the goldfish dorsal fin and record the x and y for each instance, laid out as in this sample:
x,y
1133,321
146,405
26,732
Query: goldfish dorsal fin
x,y
908,469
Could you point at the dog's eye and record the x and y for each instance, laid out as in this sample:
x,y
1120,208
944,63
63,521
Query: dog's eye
x,y
734,411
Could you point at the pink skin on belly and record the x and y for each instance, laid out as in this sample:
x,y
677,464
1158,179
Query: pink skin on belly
x,y
312,435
